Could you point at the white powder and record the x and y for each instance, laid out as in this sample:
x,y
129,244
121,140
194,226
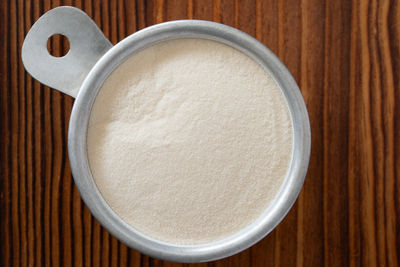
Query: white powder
x,y
189,141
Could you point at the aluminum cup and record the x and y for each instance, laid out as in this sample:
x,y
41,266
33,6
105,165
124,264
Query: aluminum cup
x,y
81,73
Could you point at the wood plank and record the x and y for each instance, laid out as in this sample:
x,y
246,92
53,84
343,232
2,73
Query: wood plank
x,y
335,128
372,121
176,9
310,248
5,174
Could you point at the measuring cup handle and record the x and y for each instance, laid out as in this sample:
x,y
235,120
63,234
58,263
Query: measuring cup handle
x,y
87,45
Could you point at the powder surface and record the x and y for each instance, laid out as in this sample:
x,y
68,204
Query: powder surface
x,y
189,140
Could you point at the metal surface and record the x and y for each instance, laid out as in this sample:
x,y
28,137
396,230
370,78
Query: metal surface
x,y
87,45
79,124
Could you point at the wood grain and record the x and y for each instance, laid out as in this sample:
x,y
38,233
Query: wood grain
x,y
344,54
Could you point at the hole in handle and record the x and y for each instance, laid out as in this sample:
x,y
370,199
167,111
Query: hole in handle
x,y
58,45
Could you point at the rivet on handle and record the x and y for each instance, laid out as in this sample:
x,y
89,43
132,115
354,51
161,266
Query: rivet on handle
x,y
87,45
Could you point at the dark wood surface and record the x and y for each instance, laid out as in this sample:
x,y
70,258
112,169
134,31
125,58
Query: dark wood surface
x,y
345,56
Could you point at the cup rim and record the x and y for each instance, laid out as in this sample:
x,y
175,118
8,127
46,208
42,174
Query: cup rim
x,y
283,200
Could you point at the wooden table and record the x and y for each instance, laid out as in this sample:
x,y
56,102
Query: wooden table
x,y
345,56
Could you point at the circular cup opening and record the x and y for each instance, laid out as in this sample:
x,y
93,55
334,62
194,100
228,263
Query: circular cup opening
x,y
126,233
